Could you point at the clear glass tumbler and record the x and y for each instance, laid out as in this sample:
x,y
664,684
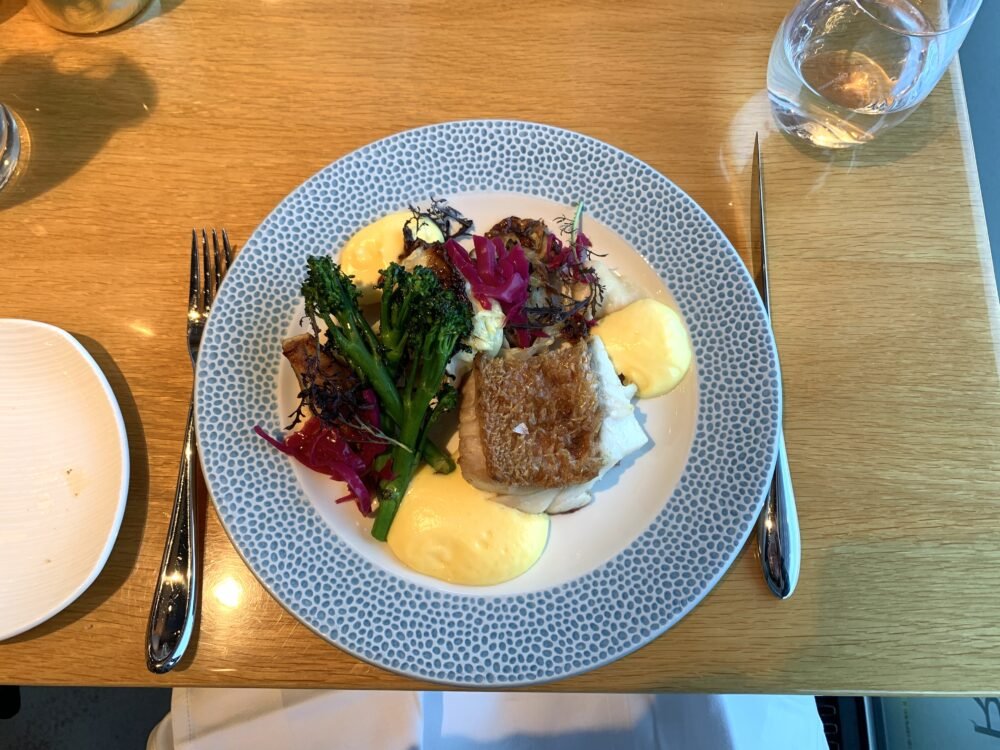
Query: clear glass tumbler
x,y
86,16
10,145
842,71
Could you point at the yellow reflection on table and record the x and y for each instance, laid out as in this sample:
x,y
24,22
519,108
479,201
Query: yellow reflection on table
x,y
228,592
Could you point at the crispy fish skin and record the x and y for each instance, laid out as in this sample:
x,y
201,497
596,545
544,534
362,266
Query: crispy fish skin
x,y
539,418
618,434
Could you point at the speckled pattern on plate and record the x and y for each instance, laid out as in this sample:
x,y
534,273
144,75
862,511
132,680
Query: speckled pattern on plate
x,y
484,640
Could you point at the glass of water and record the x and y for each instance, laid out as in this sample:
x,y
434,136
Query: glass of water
x,y
86,16
10,145
841,71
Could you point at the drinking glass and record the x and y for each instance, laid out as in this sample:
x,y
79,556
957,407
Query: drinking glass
x,y
86,16
842,71
10,145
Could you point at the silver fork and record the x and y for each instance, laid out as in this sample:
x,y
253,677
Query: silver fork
x,y
175,601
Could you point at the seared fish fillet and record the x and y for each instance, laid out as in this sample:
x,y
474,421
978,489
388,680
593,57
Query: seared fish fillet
x,y
538,419
541,431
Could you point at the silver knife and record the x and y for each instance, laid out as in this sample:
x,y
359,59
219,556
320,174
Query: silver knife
x,y
779,544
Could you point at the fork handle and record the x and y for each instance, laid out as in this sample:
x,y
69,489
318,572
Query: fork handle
x,y
172,615
779,543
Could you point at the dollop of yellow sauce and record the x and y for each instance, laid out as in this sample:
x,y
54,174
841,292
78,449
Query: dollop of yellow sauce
x,y
447,529
375,246
648,345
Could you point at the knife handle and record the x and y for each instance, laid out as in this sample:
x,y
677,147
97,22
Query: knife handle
x,y
779,543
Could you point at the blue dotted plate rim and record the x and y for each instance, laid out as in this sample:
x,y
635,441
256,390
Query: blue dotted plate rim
x,y
485,654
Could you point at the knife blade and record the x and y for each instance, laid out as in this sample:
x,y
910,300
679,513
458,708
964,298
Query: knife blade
x,y
779,544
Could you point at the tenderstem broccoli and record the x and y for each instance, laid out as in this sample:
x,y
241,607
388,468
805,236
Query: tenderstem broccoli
x,y
421,326
434,332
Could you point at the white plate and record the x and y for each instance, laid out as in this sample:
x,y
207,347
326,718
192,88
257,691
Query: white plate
x,y
63,472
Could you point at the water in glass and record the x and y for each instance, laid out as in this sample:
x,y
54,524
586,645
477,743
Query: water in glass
x,y
841,71
10,145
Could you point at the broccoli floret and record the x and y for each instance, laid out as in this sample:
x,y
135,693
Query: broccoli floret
x,y
331,296
405,297
422,326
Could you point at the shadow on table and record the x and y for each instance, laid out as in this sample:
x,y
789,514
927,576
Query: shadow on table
x,y
927,123
125,553
69,113
9,8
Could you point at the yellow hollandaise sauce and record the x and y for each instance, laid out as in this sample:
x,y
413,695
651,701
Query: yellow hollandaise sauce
x,y
447,529
377,245
648,345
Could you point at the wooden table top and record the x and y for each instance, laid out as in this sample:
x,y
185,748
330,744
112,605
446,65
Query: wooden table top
x,y
208,112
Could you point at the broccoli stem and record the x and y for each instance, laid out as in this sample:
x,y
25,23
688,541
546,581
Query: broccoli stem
x,y
383,520
423,382
369,368
365,365
437,458
404,464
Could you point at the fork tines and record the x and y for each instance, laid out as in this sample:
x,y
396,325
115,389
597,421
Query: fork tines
x,y
208,267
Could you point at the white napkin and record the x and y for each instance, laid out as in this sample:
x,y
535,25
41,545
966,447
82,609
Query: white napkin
x,y
254,719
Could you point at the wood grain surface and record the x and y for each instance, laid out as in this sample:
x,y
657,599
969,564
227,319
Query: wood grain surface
x,y
208,112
